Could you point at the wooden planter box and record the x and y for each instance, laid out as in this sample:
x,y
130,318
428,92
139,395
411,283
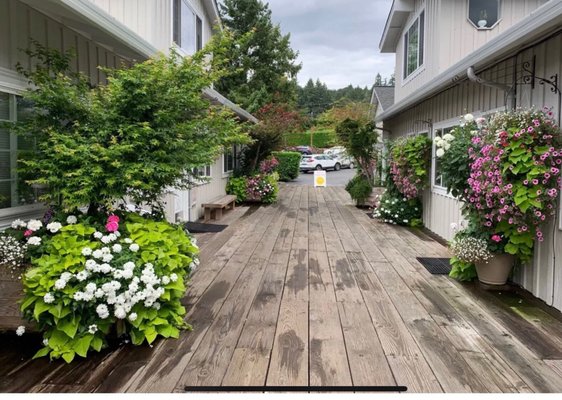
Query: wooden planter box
x,y
11,292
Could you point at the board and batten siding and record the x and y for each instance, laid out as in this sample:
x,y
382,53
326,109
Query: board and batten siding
x,y
450,36
542,277
152,19
19,23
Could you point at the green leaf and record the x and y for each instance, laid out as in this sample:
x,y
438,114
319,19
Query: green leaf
x,y
69,325
82,345
511,248
40,308
68,356
42,352
97,343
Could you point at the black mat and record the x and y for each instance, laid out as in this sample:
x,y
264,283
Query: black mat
x,y
196,227
435,266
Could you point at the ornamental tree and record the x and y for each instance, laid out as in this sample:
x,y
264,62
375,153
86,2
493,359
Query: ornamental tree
x,y
136,136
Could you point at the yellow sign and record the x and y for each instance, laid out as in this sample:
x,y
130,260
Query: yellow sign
x,y
319,178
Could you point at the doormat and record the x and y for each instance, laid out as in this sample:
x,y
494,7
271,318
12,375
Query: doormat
x,y
435,266
196,227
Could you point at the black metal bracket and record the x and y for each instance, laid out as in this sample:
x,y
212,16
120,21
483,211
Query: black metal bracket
x,y
529,67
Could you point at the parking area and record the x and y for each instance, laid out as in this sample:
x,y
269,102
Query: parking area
x,y
333,178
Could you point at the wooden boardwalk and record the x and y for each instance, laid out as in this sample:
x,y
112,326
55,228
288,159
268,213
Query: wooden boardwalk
x,y
310,291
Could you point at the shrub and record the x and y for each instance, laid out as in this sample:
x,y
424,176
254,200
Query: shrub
x,y
237,186
359,188
289,164
409,166
87,285
269,165
398,210
262,188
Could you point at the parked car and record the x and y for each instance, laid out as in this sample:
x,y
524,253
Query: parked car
x,y
319,162
335,151
345,160
304,149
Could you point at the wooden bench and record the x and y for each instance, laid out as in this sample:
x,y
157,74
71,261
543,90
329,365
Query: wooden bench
x,y
219,204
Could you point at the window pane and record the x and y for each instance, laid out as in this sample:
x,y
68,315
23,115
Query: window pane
x,y
4,106
413,43
5,194
199,34
406,55
187,29
422,34
177,22
24,108
483,13
5,165
4,139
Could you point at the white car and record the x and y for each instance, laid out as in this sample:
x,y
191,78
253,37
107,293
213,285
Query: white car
x,y
345,160
319,162
335,151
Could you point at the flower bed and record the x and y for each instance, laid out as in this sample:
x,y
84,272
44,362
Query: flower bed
x,y
89,279
260,188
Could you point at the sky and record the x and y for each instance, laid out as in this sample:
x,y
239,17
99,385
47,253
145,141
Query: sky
x,y
337,40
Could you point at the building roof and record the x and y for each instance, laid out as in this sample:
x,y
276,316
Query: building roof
x,y
397,17
384,96
540,23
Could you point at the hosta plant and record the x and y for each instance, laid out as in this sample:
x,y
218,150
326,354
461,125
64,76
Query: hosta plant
x,y
124,277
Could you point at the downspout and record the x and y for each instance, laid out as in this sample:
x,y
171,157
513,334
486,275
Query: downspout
x,y
476,79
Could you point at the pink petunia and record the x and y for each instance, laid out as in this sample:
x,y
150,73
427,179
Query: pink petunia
x,y
28,233
112,226
496,238
113,218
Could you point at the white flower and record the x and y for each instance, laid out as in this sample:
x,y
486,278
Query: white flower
x,y
60,284
107,258
156,306
34,225
105,268
165,280
93,328
71,220
129,266
54,227
440,153
106,250
49,298
133,317
438,141
91,287
18,223
82,276
134,247
446,146
98,235
127,240
448,137
112,237
105,239
99,293
116,233
20,331
91,264
45,342
469,117
34,241
127,274
405,221
97,253
86,251
173,277
131,207
115,285
120,313
78,296
117,248
102,311
66,276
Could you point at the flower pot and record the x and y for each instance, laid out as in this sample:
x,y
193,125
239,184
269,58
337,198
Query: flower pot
x,y
482,23
496,270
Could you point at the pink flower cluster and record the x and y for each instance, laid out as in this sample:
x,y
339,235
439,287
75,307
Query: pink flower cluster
x,y
257,188
268,166
112,224
516,178
406,181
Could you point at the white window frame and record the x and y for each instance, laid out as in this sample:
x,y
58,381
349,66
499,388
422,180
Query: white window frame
x,y
442,125
178,46
486,28
225,172
421,42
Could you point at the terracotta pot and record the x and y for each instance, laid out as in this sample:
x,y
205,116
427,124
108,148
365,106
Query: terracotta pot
x,y
496,270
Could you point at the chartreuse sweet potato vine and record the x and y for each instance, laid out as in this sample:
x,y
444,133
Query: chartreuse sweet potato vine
x,y
127,281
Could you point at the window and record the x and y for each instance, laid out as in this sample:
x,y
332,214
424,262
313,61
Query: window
x,y
437,174
414,45
202,172
13,190
483,13
229,159
188,27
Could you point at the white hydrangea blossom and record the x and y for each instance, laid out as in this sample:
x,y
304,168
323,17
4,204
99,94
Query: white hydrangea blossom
x,y
98,235
103,311
49,298
34,241
18,223
20,331
34,225
134,247
71,220
117,248
87,251
54,227
97,253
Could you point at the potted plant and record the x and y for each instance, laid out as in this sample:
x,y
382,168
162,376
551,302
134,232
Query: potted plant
x,y
483,21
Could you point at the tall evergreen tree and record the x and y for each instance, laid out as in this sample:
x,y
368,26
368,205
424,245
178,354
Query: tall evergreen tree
x,y
263,65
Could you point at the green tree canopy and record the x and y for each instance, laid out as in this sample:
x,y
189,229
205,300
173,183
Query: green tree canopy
x,y
136,136
262,67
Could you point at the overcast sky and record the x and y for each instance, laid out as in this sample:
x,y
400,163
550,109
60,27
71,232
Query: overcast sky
x,y
337,40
